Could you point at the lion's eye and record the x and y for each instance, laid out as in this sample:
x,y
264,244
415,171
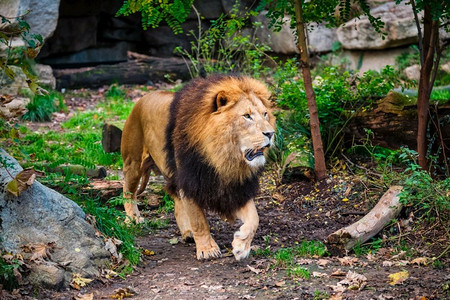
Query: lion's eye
x,y
248,117
266,115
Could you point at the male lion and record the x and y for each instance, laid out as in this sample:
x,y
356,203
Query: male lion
x,y
209,141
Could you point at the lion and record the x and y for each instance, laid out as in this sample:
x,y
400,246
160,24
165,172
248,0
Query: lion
x,y
209,140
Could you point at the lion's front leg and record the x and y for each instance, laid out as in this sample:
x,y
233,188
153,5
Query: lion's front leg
x,y
204,243
243,238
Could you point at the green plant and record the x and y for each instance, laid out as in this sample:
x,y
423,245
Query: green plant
x,y
368,248
320,295
167,204
429,197
41,107
224,48
21,56
8,267
299,272
153,12
310,249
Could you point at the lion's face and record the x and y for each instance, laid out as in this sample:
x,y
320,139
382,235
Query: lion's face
x,y
236,136
256,133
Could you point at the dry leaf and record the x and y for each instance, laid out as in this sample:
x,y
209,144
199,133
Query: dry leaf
x,y
21,182
122,293
319,274
323,262
81,296
39,251
338,273
420,261
148,252
279,283
353,281
304,261
173,241
398,278
254,270
387,263
347,260
79,281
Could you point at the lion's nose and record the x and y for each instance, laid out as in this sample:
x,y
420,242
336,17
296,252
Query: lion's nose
x,y
269,134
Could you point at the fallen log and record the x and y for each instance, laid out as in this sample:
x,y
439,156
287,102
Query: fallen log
x,y
341,241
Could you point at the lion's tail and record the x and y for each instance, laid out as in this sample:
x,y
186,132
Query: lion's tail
x,y
147,165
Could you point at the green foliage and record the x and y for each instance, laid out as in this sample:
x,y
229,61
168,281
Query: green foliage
x,y
153,12
7,277
299,272
321,11
224,48
429,197
41,107
339,96
368,248
320,295
22,56
440,95
167,205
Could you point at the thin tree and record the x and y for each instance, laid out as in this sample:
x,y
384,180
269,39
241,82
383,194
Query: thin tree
x,y
436,15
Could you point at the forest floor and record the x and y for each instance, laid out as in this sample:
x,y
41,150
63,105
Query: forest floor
x,y
297,210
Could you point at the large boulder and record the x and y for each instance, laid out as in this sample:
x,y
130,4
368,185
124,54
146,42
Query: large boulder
x,y
400,29
42,16
40,217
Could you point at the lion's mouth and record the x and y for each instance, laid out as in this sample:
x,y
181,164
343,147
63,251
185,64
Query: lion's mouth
x,y
251,154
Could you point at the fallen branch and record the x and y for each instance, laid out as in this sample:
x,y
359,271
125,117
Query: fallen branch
x,y
341,241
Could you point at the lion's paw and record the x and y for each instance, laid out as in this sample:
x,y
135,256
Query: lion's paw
x,y
134,219
208,250
241,245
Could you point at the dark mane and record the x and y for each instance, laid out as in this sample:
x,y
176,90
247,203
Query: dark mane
x,y
193,174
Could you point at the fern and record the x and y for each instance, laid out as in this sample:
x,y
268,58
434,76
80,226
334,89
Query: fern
x,y
153,12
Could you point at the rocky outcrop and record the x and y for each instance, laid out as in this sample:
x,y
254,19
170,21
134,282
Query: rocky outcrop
x,y
42,16
400,29
40,217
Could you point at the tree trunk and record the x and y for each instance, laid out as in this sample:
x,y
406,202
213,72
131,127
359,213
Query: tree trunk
x,y
386,209
319,156
430,42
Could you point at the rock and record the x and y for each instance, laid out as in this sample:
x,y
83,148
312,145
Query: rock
x,y
40,216
412,72
111,138
43,15
108,54
67,37
14,108
446,67
400,29
280,42
45,76
211,9
13,86
47,275
321,38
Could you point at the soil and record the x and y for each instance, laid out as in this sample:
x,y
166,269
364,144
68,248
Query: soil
x,y
295,211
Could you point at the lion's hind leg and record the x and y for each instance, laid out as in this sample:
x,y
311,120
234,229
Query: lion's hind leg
x,y
205,245
243,238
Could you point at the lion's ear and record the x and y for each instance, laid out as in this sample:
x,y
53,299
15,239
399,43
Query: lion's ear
x,y
221,100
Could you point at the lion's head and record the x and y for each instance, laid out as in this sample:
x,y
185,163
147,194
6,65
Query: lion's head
x,y
221,131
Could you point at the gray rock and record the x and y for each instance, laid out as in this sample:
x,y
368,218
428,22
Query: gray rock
x,y
321,38
43,16
47,275
280,42
67,37
45,75
107,54
412,72
40,216
400,29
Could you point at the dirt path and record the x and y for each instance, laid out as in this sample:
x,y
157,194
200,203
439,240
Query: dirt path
x,y
302,211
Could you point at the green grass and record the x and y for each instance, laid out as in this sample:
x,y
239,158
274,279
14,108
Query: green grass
x,y
79,143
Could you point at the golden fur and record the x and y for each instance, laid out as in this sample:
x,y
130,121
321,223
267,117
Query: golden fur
x,y
209,141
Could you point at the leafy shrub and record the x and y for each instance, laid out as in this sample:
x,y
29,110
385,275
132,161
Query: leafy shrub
x,y
431,198
339,95
41,107
7,277
225,48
